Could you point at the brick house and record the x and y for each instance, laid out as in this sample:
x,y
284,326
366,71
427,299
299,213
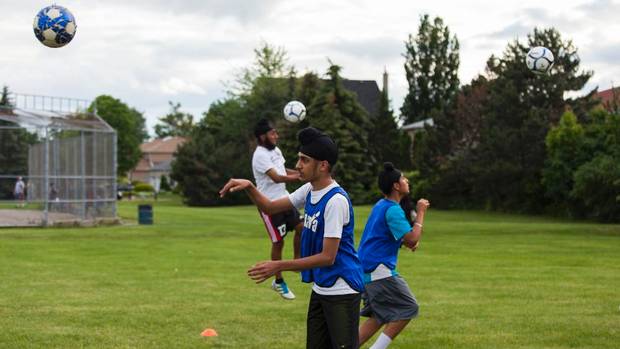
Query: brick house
x,y
156,160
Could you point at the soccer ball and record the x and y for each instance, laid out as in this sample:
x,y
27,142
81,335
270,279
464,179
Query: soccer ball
x,y
294,111
54,26
539,60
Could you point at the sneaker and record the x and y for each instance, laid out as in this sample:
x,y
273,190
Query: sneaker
x,y
283,290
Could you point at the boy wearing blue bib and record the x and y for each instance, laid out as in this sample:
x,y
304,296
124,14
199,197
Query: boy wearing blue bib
x,y
387,299
328,257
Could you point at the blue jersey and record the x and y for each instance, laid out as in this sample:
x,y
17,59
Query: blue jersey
x,y
382,237
347,265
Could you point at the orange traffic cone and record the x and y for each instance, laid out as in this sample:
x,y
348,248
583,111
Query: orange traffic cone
x,y
209,332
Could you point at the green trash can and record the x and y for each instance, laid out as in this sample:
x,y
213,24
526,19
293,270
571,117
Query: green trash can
x,y
145,214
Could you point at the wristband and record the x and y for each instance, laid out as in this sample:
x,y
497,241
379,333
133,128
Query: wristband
x,y
418,224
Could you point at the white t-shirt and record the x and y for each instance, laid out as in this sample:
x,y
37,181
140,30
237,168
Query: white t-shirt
x,y
19,187
336,217
262,161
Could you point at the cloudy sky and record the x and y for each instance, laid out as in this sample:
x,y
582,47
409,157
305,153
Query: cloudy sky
x,y
149,52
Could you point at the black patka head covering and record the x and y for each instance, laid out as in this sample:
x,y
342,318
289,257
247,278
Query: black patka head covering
x,y
317,145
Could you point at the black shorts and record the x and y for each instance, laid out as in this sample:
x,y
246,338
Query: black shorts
x,y
333,321
279,224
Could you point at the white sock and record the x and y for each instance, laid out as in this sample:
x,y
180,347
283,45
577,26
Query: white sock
x,y
382,342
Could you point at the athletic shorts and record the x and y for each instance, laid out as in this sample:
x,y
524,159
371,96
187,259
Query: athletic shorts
x,y
388,300
333,321
279,224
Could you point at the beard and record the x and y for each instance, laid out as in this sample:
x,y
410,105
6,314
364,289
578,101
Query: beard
x,y
268,144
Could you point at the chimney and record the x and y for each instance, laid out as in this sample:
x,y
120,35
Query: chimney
x,y
385,81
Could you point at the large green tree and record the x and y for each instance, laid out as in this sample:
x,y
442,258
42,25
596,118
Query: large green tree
x,y
520,110
388,142
448,149
336,111
431,68
213,154
130,128
565,153
221,145
596,180
175,123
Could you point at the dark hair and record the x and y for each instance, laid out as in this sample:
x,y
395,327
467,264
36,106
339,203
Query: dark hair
x,y
407,205
262,126
388,177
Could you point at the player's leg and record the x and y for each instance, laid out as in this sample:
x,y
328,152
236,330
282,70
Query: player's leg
x,y
317,334
393,303
276,254
276,228
392,329
296,223
372,324
342,314
368,329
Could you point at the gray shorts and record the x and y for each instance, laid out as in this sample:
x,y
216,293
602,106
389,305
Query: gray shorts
x,y
389,300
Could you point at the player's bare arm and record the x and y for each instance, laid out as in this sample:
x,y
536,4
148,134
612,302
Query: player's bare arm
x,y
277,178
261,201
412,239
264,270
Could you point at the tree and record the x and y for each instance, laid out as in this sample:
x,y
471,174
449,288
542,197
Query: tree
x,y
14,144
456,137
4,99
565,153
597,180
520,110
221,145
389,143
130,128
269,62
431,67
213,154
175,123
337,112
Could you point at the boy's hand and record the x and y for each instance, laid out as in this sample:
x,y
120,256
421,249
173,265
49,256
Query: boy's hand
x,y
235,184
422,205
262,271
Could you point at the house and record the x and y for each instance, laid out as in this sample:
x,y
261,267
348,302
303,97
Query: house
x,y
157,157
368,93
412,128
610,99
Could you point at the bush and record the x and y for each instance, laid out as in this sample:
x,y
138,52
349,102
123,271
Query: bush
x,y
164,185
597,184
143,187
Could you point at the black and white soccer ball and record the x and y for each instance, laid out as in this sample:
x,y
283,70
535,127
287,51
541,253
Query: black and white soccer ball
x,y
294,111
539,60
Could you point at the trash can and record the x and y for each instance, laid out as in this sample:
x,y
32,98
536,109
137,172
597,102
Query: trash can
x,y
145,214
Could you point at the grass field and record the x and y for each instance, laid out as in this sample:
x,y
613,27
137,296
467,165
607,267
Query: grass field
x,y
483,281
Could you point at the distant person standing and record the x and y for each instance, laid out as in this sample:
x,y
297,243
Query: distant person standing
x,y
271,177
20,192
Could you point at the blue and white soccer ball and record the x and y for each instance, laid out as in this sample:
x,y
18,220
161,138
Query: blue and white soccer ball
x,y
294,111
54,26
539,60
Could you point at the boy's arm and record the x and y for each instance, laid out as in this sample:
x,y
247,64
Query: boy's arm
x,y
412,239
264,270
262,202
277,178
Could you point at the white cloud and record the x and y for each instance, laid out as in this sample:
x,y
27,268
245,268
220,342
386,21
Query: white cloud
x,y
148,52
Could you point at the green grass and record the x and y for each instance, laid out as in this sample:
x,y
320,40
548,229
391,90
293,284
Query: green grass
x,y
482,280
